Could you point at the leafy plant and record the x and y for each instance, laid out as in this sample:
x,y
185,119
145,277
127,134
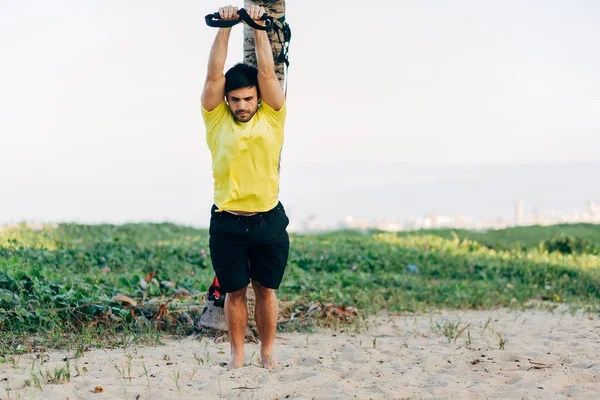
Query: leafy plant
x,y
58,285
567,244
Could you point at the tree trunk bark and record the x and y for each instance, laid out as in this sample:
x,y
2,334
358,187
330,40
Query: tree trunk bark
x,y
213,323
276,9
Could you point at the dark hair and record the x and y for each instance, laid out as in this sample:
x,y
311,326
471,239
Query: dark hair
x,y
240,76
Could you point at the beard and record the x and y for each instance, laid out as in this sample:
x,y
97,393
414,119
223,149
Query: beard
x,y
243,115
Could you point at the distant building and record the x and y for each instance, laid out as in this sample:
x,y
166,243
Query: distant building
x,y
351,223
311,224
594,209
519,213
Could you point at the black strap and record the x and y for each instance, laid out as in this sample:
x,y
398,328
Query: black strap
x,y
284,35
214,20
247,19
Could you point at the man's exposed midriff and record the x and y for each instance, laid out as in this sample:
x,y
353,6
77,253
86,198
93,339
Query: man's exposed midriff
x,y
245,213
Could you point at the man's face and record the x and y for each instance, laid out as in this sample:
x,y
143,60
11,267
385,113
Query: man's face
x,y
243,103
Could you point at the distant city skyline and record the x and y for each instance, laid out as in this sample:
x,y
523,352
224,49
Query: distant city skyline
x,y
539,216
371,191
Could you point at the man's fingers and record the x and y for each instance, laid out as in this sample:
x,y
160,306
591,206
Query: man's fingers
x,y
228,12
255,12
260,12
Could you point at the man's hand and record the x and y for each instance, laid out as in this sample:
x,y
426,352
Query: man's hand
x,y
229,13
256,12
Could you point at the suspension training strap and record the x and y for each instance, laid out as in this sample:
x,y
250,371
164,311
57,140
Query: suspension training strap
x,y
284,36
214,20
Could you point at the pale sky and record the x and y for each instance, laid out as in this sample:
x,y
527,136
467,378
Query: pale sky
x,y
103,96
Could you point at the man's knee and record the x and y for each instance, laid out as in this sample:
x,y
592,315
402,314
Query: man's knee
x,y
237,296
261,291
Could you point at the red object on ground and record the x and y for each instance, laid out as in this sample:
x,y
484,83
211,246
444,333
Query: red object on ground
x,y
214,291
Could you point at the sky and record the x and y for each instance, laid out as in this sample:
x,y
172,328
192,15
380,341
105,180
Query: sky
x,y
100,101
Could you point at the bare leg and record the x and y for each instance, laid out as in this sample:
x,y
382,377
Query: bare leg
x,y
265,314
236,314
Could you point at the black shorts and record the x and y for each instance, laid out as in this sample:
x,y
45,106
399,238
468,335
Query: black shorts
x,y
249,247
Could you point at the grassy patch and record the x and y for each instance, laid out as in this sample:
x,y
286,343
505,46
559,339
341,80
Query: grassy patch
x,y
57,285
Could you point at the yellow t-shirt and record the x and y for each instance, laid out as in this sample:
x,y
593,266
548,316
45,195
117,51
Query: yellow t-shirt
x,y
245,157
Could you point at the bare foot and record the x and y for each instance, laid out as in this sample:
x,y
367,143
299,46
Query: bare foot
x,y
236,361
269,361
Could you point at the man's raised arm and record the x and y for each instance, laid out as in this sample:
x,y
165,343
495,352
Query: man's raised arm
x,y
214,86
270,90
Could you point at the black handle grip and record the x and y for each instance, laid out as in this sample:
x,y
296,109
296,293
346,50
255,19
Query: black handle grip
x,y
214,20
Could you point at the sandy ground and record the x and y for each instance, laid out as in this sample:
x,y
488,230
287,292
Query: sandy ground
x,y
549,355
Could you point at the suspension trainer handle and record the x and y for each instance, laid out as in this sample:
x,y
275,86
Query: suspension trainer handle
x,y
214,20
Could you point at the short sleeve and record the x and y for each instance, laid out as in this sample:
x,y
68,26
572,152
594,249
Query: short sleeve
x,y
275,118
212,119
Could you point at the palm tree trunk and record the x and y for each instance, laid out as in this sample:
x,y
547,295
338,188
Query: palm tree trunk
x,y
213,323
276,9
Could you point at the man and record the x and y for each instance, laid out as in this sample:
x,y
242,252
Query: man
x,y
244,113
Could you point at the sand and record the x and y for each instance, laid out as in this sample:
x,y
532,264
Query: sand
x,y
549,355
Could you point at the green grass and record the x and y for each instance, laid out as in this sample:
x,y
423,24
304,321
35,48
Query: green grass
x,y
520,237
56,284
